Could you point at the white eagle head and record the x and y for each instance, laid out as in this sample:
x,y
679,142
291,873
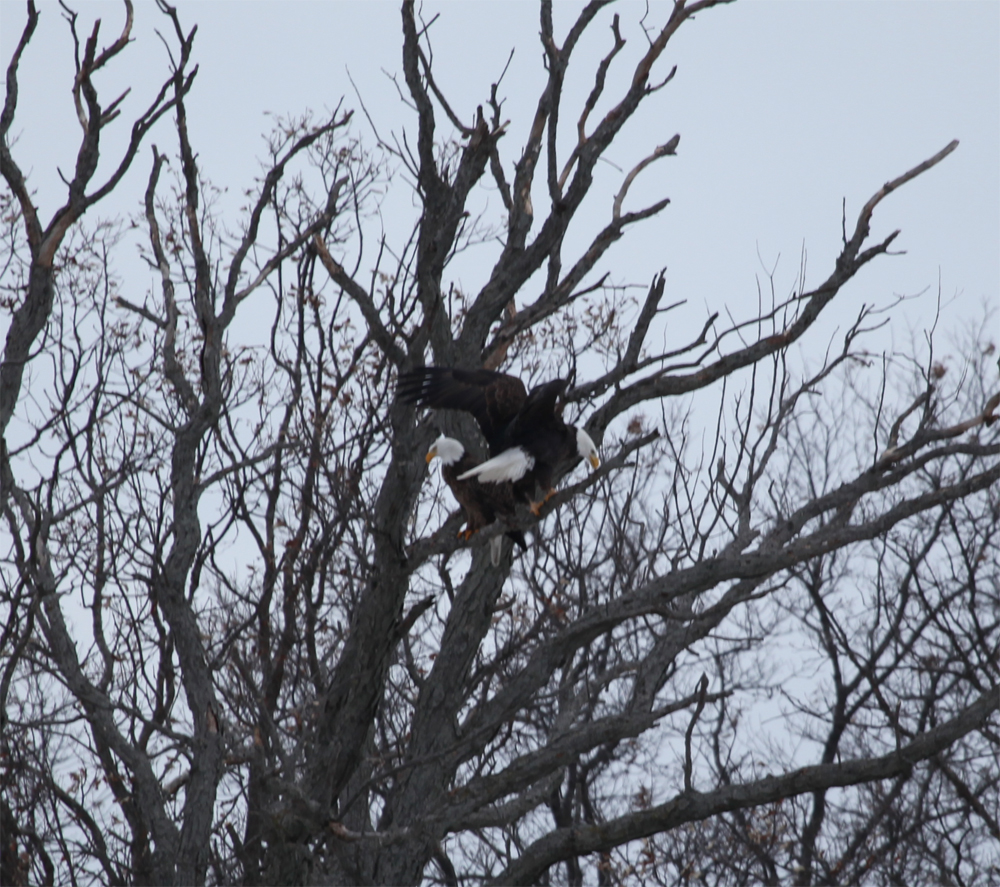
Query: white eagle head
x,y
447,449
587,449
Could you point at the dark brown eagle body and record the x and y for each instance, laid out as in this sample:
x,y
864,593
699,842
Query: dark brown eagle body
x,y
483,503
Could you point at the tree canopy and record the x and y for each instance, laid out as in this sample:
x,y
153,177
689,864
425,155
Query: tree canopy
x,y
243,641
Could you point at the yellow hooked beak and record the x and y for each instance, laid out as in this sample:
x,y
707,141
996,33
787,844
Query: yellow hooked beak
x,y
431,453
595,461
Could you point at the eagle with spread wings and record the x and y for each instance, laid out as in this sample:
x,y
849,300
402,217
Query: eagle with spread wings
x,y
526,435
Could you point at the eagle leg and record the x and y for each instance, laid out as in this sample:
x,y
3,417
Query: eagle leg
x,y
466,534
536,507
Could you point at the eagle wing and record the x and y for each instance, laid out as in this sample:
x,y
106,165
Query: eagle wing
x,y
538,414
494,399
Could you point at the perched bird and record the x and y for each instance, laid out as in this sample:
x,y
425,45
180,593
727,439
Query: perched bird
x,y
519,465
528,439
482,503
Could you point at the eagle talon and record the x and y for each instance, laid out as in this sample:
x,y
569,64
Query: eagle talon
x,y
466,535
536,507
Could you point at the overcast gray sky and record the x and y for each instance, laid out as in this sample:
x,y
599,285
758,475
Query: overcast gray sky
x,y
784,109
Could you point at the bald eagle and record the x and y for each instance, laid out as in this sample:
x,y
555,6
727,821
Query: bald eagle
x,y
482,503
528,440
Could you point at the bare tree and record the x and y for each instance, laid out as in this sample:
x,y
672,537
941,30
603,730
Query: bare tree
x,y
242,642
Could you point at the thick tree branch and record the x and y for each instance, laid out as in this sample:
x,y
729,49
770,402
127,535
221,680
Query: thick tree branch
x,y
694,806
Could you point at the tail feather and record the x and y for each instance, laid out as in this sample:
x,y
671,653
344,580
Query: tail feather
x,y
517,537
496,548
510,465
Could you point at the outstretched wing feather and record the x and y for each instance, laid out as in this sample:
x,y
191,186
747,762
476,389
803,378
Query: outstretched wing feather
x,y
493,399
